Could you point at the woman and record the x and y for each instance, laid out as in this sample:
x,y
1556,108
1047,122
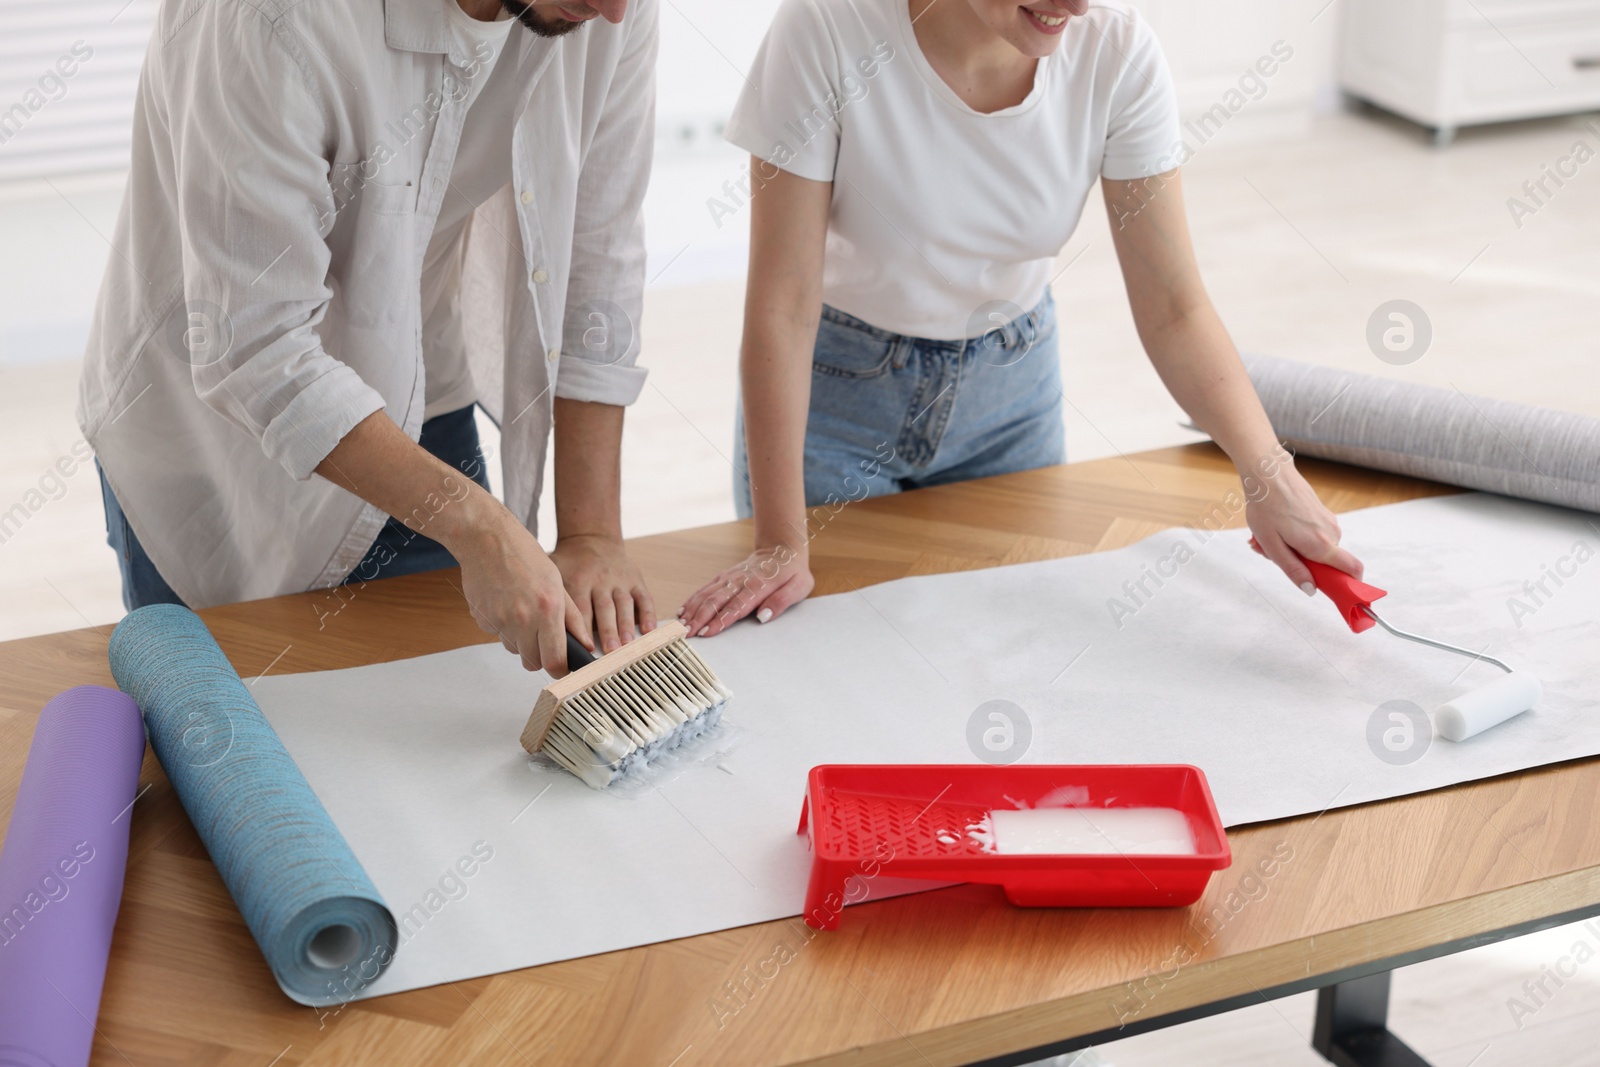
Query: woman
x,y
916,167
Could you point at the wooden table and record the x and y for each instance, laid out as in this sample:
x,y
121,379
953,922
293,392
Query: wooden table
x,y
947,977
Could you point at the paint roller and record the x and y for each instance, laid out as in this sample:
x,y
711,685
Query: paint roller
x,y
1446,435
1463,716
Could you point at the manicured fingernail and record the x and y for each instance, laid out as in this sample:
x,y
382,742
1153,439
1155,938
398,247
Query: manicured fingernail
x,y
1308,589
703,631
764,615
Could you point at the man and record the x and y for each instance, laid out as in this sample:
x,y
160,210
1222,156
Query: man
x,y
329,199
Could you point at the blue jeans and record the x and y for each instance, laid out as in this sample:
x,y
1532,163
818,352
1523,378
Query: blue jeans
x,y
890,412
452,437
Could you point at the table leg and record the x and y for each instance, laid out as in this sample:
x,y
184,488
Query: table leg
x,y
1352,1028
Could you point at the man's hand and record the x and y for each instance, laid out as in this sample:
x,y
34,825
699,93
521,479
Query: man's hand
x,y
514,590
1289,521
607,588
768,582
602,580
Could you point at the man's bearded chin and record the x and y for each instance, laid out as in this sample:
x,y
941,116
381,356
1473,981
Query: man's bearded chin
x,y
543,25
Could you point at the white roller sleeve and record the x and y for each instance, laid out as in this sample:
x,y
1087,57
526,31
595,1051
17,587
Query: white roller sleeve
x,y
1489,705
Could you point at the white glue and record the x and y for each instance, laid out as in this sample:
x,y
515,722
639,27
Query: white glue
x,y
1086,832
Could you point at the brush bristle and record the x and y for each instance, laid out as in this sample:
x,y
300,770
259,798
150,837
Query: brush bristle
x,y
613,727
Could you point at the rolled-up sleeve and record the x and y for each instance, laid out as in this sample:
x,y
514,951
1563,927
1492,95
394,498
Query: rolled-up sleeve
x,y
605,289
254,205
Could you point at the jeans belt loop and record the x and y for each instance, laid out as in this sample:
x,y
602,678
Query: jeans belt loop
x,y
1036,317
900,351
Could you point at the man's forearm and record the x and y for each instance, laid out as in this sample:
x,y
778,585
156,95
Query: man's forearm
x,y
378,463
588,462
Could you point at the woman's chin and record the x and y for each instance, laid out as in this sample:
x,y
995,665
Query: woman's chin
x,y
1036,45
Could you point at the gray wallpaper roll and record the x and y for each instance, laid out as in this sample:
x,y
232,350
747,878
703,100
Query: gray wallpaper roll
x,y
1440,434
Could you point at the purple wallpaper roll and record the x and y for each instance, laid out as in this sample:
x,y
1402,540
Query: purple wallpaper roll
x,y
61,874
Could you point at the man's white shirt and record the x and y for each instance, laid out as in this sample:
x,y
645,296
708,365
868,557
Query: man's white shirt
x,y
290,160
482,167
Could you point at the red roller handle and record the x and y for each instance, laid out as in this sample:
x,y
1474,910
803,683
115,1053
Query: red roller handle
x,y
1348,594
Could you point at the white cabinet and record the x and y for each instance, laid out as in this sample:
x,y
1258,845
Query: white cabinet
x,y
1452,63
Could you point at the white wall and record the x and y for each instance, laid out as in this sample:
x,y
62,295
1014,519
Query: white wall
x,y
706,48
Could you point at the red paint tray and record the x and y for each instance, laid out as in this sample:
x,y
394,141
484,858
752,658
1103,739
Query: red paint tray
x,y
912,820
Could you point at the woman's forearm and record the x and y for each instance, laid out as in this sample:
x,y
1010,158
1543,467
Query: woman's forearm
x,y
1200,367
775,379
1178,326
782,304
783,301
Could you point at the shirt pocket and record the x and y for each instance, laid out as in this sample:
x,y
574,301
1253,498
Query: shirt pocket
x,y
389,199
848,351
354,194
372,246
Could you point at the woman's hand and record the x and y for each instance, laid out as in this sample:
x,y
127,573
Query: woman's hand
x,y
768,582
606,586
1289,519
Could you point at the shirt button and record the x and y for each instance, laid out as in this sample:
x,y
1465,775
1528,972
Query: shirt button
x,y
541,276
553,355
527,196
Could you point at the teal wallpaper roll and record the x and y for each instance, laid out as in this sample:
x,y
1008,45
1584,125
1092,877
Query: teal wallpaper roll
x,y
323,928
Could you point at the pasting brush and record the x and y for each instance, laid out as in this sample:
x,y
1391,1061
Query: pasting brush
x,y
1463,716
615,713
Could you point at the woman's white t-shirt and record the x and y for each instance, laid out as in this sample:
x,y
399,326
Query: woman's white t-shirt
x,y
941,213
